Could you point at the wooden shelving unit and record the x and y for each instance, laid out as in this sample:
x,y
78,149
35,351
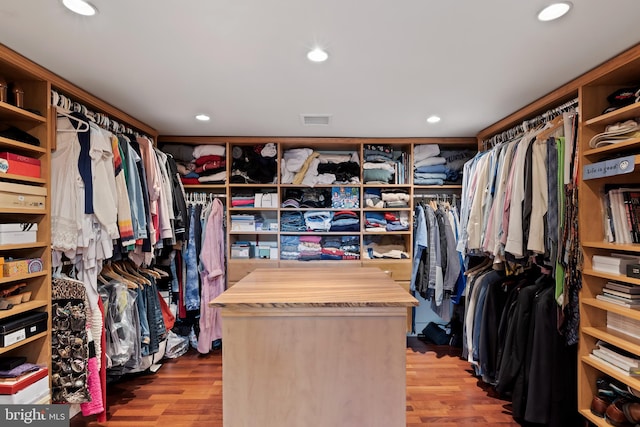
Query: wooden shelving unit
x,y
238,268
13,68
623,71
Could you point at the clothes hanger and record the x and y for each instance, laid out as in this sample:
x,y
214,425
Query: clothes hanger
x,y
134,276
550,128
162,273
84,125
108,271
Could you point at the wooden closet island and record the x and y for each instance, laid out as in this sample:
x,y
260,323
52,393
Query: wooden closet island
x,y
314,347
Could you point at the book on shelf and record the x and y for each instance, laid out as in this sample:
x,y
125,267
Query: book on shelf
x,y
618,301
609,364
615,263
604,359
626,288
622,212
625,295
623,358
623,324
625,330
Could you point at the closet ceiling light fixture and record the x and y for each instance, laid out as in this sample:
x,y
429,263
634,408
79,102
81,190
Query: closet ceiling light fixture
x,y
317,55
80,7
554,11
433,119
203,117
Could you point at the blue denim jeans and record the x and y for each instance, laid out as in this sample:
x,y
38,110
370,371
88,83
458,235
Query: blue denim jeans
x,y
192,285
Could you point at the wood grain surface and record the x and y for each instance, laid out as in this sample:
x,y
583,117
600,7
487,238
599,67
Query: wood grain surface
x,y
187,392
311,287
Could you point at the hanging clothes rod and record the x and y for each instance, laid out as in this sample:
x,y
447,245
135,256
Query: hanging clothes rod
x,y
517,130
101,119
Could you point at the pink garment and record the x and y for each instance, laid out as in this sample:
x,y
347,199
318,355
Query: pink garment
x,y
213,278
96,405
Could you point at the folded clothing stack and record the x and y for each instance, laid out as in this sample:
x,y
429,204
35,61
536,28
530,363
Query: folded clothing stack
x,y
310,248
345,221
254,164
395,198
425,157
387,246
445,167
318,220
292,221
202,164
307,198
239,200
289,247
379,166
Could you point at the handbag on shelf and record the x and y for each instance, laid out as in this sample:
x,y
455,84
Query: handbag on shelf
x,y
265,200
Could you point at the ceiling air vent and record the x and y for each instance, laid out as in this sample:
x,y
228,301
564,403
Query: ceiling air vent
x,y
315,119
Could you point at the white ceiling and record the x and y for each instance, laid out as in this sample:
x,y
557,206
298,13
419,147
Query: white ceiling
x,y
391,64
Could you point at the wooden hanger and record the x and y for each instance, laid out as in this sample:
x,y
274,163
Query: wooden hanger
x,y
550,128
134,276
487,262
162,273
108,271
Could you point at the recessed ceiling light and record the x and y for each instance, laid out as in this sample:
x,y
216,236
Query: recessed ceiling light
x,y
433,119
317,55
554,11
203,117
80,7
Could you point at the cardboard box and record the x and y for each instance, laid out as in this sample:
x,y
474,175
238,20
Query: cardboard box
x,y
22,196
19,165
18,267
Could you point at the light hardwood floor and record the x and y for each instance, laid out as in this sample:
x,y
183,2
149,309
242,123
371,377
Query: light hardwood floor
x,y
187,392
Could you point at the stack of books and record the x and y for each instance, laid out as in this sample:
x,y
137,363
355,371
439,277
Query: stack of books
x,y
622,209
620,360
623,324
614,264
623,294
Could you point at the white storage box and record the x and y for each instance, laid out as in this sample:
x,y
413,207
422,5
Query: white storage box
x,y
265,200
11,234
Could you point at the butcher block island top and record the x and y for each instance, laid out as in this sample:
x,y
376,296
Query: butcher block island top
x,y
315,287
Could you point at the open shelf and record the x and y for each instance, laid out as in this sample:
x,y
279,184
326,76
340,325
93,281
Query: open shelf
x,y
204,186
22,277
619,339
28,179
621,114
605,368
610,276
631,247
629,144
11,112
23,246
614,308
23,308
11,144
600,422
23,342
